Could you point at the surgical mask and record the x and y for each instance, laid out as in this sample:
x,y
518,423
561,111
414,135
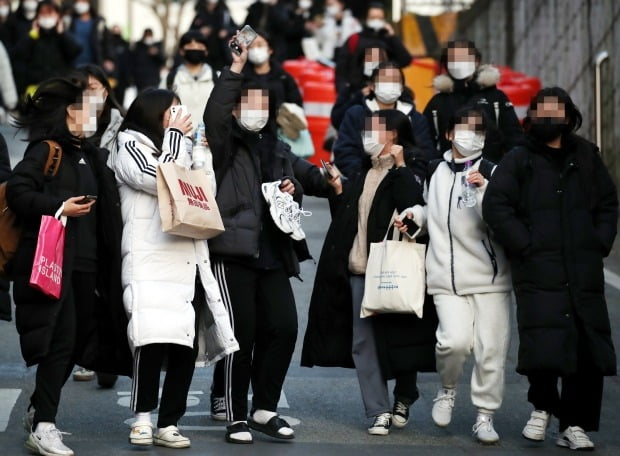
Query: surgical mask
x,y
47,22
305,4
258,55
81,7
30,5
461,70
372,146
468,142
213,2
253,120
388,92
195,56
149,41
369,67
333,10
4,10
375,24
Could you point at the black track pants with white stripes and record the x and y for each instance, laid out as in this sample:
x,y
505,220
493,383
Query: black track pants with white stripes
x,y
148,361
263,315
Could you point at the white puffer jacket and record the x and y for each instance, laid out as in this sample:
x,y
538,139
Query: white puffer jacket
x,y
159,270
462,256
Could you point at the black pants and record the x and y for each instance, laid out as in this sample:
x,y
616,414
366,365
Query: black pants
x,y
578,404
5,300
148,361
264,318
406,388
73,328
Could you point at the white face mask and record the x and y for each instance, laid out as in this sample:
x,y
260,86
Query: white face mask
x,y
30,5
468,142
461,70
47,22
258,55
253,119
333,10
81,7
305,4
149,41
372,146
369,67
375,24
4,10
388,92
213,2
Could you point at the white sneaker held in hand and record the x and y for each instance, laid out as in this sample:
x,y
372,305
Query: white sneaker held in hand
x,y
171,437
47,440
536,427
284,210
442,407
483,429
575,438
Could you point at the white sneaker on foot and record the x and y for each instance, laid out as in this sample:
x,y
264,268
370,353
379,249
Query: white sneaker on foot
x,y
442,407
381,425
83,375
47,440
141,434
171,437
575,438
536,427
483,429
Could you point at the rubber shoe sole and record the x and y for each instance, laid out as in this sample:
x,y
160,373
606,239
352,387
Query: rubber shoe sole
x,y
171,444
33,447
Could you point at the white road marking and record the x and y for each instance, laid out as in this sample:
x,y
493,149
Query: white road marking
x,y
8,398
612,279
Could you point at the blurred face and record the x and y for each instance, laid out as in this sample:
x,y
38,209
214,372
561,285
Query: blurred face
x,y
375,13
468,136
550,108
461,62
95,95
48,17
372,58
82,118
388,85
194,52
259,51
4,8
252,113
376,136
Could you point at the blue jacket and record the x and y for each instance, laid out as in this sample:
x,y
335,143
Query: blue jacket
x,y
348,150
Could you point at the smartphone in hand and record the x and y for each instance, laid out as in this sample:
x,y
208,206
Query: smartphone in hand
x,y
412,227
176,110
246,35
87,199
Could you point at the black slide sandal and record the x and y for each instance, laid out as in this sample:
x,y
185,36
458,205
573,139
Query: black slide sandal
x,y
235,428
271,428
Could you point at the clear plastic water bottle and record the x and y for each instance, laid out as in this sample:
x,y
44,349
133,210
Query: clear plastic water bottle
x,y
199,151
468,191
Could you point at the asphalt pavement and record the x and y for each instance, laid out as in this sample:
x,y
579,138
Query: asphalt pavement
x,y
324,404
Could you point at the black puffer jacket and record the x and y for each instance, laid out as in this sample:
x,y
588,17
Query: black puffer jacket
x,y
503,128
238,171
328,338
31,195
555,212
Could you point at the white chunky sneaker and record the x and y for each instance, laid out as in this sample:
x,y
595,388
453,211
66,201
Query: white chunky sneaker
x,y
141,434
575,438
442,407
83,375
171,437
284,210
483,429
47,440
381,425
536,427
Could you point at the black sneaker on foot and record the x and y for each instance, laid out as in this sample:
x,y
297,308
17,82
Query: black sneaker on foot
x,y
400,414
381,424
218,408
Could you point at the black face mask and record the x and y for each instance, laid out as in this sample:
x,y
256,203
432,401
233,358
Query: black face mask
x,y
546,129
195,56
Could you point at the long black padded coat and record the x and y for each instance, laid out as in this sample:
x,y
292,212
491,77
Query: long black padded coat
x,y
406,343
555,212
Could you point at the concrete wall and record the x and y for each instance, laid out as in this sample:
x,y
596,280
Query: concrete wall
x,y
557,41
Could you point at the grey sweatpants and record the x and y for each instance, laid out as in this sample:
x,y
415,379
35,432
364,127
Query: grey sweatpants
x,y
372,385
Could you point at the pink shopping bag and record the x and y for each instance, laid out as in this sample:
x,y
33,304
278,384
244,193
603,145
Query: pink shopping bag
x,y
48,259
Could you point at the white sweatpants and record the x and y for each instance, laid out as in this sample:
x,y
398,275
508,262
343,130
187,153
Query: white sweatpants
x,y
478,323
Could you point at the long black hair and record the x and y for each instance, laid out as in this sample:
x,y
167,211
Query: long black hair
x,y
146,114
573,115
44,114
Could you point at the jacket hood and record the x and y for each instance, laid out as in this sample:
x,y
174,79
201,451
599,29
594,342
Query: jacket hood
x,y
205,75
486,76
401,106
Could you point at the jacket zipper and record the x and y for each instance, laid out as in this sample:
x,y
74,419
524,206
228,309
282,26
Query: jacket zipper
x,y
450,233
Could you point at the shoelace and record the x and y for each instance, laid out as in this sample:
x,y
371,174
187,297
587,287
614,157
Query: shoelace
x,y
219,404
445,398
56,434
400,408
382,420
483,422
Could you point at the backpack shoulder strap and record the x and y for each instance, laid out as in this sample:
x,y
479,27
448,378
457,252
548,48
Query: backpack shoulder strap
x,y
487,168
54,157
432,167
170,78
